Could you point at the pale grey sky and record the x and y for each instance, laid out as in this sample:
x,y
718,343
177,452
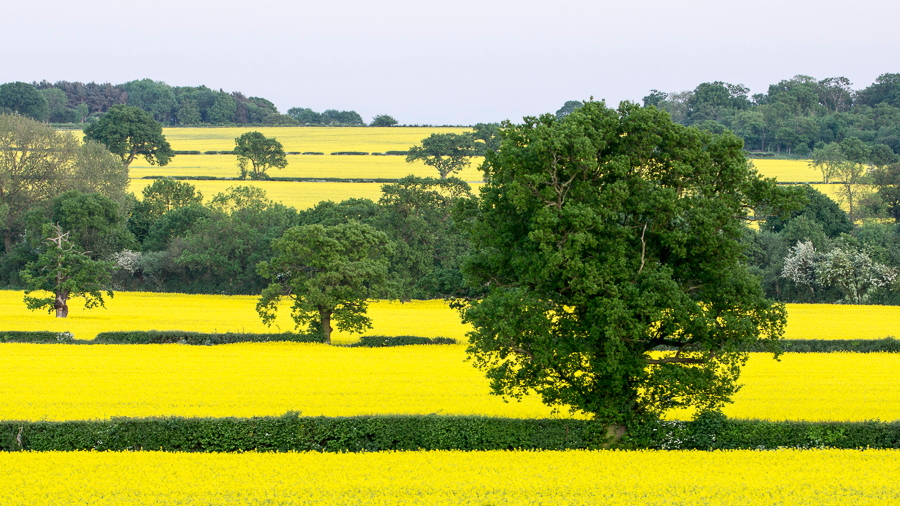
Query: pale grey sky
x,y
456,62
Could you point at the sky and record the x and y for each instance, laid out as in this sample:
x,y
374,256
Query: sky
x,y
458,62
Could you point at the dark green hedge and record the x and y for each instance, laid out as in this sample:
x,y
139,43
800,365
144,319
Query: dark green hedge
x,y
13,336
380,433
382,341
176,336
887,345
292,432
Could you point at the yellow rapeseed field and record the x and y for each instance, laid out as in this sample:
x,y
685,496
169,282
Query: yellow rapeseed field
x,y
220,313
842,321
720,478
65,382
788,171
84,382
301,166
299,195
307,139
217,313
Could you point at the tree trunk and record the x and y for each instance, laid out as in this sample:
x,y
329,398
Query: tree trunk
x,y
326,324
61,305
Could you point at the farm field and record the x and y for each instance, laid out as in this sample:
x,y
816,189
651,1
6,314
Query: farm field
x,y
788,171
795,477
236,313
307,139
305,166
217,313
67,382
299,195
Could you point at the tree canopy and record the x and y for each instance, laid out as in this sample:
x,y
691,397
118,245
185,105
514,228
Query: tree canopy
x,y
608,243
63,271
329,273
257,153
25,99
448,153
128,132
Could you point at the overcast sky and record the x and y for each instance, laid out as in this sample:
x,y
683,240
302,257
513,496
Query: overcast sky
x,y
453,62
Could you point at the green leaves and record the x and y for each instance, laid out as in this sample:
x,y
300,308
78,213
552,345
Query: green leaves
x,y
328,273
259,153
129,131
603,235
65,271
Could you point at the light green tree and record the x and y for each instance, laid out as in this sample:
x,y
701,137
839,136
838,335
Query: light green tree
x,y
63,271
328,273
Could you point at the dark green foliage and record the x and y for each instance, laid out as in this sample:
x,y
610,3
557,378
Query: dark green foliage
x,y
383,120
305,116
198,338
94,222
292,432
16,336
328,213
607,233
23,98
568,108
448,153
173,224
817,208
350,153
128,132
886,345
384,341
416,213
222,251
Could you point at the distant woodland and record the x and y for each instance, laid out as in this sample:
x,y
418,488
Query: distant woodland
x,y
793,118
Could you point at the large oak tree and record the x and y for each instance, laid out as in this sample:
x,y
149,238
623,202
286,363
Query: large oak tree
x,y
608,242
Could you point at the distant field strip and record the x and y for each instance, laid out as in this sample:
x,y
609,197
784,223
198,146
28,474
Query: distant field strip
x,y
299,195
67,382
653,478
306,166
842,321
220,313
217,313
788,171
306,139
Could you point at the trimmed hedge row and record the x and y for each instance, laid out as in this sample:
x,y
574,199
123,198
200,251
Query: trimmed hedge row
x,y
382,341
198,338
182,337
383,433
14,336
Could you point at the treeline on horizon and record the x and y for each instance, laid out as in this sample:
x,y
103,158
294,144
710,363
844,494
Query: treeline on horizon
x,y
65,102
795,116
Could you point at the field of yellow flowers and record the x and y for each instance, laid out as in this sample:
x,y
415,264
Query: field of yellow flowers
x,y
787,477
96,382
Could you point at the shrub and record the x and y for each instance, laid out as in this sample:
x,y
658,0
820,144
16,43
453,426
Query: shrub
x,y
383,341
197,338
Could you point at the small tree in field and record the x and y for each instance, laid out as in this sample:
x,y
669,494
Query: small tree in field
x,y
65,271
328,273
448,153
257,153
